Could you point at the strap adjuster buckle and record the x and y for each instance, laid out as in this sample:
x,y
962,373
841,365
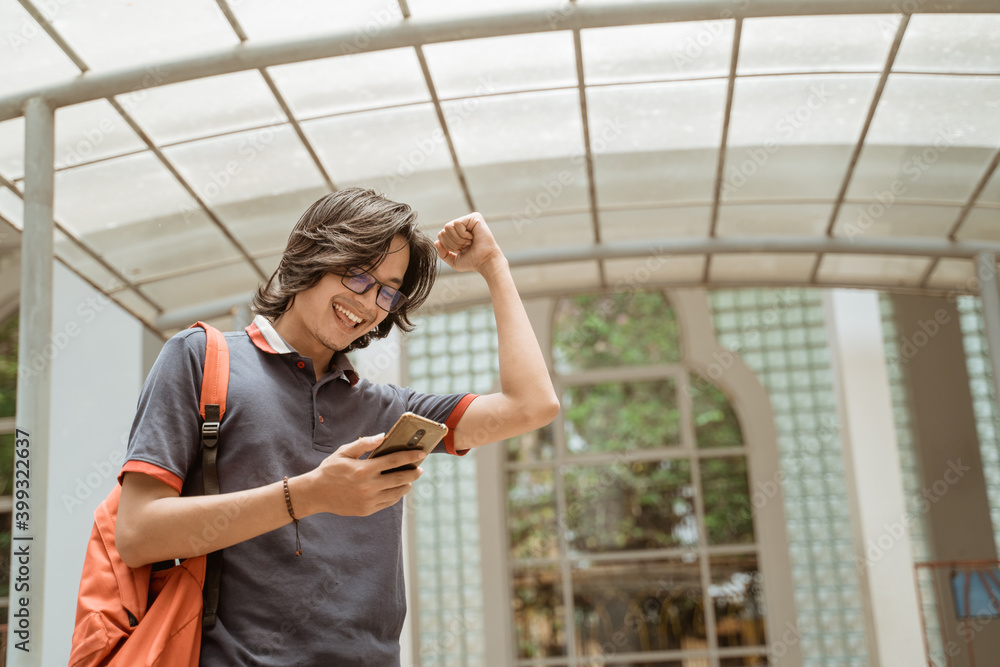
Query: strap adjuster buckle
x,y
210,433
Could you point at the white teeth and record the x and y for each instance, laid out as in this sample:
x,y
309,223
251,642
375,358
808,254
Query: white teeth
x,y
348,314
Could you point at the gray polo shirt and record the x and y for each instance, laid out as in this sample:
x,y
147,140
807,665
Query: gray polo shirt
x,y
342,602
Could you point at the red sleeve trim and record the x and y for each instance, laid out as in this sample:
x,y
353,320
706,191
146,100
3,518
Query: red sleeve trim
x,y
452,422
154,471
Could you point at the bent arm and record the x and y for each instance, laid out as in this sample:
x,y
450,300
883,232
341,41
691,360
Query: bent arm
x,y
526,400
155,523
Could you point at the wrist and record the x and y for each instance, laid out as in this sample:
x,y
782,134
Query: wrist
x,y
494,266
299,488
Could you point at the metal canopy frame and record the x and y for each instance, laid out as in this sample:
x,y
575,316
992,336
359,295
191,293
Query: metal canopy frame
x,y
416,33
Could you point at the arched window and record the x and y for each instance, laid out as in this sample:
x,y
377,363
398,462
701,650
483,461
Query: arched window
x,y
630,525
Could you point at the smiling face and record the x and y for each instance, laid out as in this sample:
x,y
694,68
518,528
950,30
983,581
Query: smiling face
x,y
328,317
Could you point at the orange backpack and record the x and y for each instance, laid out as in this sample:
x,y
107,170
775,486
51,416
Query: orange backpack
x,y
151,615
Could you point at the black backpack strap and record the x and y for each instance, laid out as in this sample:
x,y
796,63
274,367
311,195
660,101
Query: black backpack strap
x,y
214,387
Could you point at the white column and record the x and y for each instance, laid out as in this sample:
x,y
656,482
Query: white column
x,y
875,486
34,388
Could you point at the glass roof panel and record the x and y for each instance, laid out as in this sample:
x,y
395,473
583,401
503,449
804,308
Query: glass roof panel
x,y
502,64
773,219
663,177
872,219
682,269
204,107
271,20
655,143
982,224
952,111
511,128
990,194
84,264
247,165
816,43
810,109
953,273
652,117
352,82
528,189
556,277
92,131
887,270
262,223
753,173
784,267
108,34
552,231
931,172
392,142
655,223
11,208
190,288
268,263
12,148
931,138
656,52
950,43
135,304
29,58
89,198
149,249
451,289
435,195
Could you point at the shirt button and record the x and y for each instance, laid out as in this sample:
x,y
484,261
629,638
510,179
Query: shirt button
x,y
301,364
321,419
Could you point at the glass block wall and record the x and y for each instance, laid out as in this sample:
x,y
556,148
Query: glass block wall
x,y
981,383
450,353
781,335
909,462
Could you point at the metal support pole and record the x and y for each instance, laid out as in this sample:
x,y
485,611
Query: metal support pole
x,y
989,296
34,391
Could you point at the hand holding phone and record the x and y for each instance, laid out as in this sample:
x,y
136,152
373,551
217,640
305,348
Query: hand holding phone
x,y
410,433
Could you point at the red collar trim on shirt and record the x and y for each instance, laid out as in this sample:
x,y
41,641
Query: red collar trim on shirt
x,y
258,339
339,360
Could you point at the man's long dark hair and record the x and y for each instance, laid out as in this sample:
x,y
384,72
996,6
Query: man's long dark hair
x,y
353,227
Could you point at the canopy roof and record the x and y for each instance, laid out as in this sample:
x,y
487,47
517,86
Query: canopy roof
x,y
608,144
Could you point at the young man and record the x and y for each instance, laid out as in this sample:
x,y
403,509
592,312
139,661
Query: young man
x,y
354,267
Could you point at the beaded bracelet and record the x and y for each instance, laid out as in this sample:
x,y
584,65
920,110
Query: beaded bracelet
x,y
288,503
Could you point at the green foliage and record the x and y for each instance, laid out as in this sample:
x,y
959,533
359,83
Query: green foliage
x,y
620,329
7,464
531,515
715,422
5,535
618,416
538,610
726,493
641,505
8,367
638,606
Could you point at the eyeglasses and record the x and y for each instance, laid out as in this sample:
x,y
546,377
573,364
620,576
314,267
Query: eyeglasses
x,y
388,298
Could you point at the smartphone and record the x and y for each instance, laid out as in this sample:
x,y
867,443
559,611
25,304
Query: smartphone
x,y
411,432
